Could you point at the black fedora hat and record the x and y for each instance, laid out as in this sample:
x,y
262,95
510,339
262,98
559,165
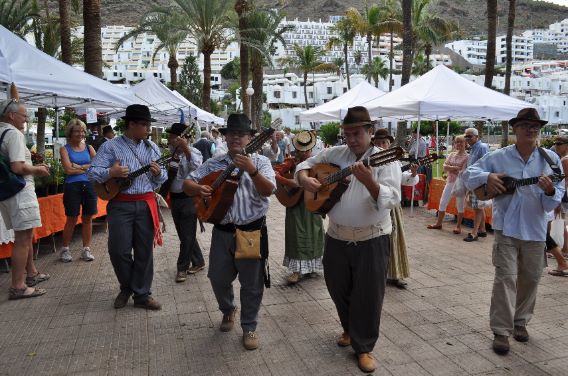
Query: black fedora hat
x,y
383,133
356,116
238,123
527,114
176,128
138,112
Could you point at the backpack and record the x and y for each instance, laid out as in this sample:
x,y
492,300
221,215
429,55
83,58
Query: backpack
x,y
11,183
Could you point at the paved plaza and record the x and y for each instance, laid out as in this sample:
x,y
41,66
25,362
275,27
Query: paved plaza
x,y
438,326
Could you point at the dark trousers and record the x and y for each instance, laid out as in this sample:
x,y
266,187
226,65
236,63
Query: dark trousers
x,y
185,219
130,246
355,275
223,269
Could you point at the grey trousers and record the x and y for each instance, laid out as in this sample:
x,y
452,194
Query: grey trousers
x,y
223,269
130,246
185,219
518,268
356,275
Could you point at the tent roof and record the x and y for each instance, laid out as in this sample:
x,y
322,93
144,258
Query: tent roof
x,y
45,81
443,94
336,109
198,113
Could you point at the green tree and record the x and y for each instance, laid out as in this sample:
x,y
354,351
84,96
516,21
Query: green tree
x,y
391,18
338,62
231,70
190,81
242,9
376,69
509,65
358,59
346,32
491,42
329,132
15,15
92,46
421,66
406,51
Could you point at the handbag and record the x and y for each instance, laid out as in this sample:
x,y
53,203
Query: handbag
x,y
557,231
10,182
247,244
459,187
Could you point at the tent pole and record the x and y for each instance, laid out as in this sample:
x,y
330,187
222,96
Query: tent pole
x,y
437,147
55,143
448,137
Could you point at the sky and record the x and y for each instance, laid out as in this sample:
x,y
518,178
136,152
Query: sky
x,y
559,2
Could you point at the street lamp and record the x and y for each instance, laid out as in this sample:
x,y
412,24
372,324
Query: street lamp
x,y
250,93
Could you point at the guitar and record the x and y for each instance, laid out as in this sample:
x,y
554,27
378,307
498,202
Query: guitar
x,y
224,183
113,186
334,183
511,184
421,161
288,196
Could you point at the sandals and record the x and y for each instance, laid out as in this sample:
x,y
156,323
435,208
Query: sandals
x,y
470,238
558,273
33,280
14,294
434,227
482,234
456,231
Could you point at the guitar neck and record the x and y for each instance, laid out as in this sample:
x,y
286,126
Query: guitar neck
x,y
141,171
529,181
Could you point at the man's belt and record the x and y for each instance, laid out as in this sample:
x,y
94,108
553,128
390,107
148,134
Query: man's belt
x,y
231,227
178,195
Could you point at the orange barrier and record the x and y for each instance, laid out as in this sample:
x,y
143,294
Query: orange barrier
x,y
437,187
52,220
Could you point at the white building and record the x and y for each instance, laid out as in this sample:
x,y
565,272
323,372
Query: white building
x,y
474,51
557,34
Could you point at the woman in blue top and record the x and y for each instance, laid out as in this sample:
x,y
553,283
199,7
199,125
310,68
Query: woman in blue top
x,y
76,158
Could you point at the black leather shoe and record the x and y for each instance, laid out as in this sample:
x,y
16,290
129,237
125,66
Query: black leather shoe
x,y
121,299
470,238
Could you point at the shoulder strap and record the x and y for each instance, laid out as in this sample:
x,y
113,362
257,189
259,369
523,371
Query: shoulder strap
x,y
3,134
552,165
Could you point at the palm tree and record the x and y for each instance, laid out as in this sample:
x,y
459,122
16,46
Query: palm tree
x,y
14,15
207,21
491,42
421,65
338,62
406,43
391,19
376,69
307,60
358,59
242,7
509,63
367,25
92,37
65,31
346,32
168,28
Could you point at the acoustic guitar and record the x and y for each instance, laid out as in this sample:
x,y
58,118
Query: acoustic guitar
x,y
113,186
429,159
511,184
288,196
334,184
224,183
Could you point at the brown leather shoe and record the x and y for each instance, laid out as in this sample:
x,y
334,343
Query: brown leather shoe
x,y
228,321
181,277
250,340
366,362
194,269
501,344
150,303
121,299
520,334
344,340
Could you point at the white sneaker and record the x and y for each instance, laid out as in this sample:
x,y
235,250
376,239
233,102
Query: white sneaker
x,y
86,255
66,255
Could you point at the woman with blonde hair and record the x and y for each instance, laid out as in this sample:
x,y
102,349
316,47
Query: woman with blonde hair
x,y
454,165
79,192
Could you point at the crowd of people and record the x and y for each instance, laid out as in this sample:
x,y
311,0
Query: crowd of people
x,y
359,249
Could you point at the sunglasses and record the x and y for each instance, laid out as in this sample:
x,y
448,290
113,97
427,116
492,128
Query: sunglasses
x,y
5,111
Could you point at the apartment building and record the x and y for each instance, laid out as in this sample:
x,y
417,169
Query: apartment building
x,y
474,51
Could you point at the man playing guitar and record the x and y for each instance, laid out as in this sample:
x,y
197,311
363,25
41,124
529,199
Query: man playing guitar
x,y
246,213
133,218
357,243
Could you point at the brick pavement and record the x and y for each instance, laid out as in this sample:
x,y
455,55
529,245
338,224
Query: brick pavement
x,y
438,326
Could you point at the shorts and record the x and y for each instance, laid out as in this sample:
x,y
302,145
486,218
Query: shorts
x,y
550,243
21,211
77,194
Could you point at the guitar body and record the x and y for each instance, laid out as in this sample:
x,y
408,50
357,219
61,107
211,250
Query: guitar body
x,y
288,196
110,188
323,201
482,194
213,209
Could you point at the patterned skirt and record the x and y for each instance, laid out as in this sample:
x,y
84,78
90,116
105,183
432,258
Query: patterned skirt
x,y
398,263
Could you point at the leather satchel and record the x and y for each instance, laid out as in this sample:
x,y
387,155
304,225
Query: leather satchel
x,y
247,244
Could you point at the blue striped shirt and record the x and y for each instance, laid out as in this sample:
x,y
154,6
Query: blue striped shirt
x,y
130,154
248,205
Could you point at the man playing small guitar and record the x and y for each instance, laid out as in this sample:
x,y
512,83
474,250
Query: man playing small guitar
x,y
357,243
247,212
519,221
133,218
303,230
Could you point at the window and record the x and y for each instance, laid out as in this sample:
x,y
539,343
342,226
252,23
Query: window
x,y
329,90
277,94
345,90
294,94
297,119
556,113
311,95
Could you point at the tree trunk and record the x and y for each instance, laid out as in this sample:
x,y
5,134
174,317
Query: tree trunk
x,y
428,52
400,133
92,37
491,42
257,98
345,52
306,89
40,141
391,58
509,62
173,65
369,54
65,30
241,7
406,44
206,93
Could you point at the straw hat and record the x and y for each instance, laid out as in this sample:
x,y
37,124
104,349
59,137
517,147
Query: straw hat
x,y
304,141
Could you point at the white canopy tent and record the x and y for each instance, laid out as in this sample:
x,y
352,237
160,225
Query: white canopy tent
x,y
336,109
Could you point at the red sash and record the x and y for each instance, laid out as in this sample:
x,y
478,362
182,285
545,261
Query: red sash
x,y
150,199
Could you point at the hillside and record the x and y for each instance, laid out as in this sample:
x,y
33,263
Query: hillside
x,y
469,14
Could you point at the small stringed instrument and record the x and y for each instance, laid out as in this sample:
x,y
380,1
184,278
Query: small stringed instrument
x,y
288,196
334,183
113,186
511,184
421,161
224,183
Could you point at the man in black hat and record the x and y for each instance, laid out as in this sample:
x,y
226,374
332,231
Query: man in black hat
x,y
190,259
247,213
133,218
519,221
108,134
357,243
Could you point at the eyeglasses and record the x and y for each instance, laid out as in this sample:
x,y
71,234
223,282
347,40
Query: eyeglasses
x,y
5,111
